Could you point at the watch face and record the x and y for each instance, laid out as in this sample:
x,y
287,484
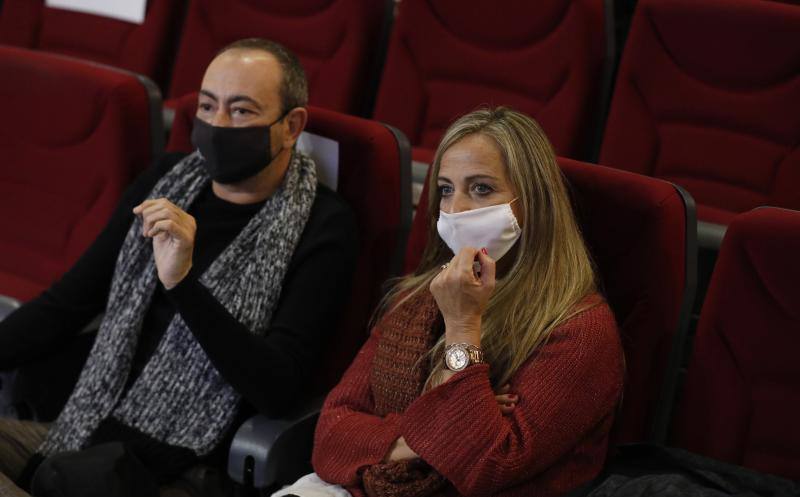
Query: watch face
x,y
457,358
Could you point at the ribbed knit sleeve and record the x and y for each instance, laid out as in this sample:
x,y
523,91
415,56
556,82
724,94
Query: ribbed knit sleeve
x,y
568,388
348,436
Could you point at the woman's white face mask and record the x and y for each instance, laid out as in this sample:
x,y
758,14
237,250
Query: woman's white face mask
x,y
494,227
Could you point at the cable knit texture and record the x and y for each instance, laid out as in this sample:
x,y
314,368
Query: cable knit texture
x,y
555,439
180,398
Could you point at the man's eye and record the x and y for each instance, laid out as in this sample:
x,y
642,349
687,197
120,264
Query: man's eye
x,y
241,112
445,190
482,189
204,107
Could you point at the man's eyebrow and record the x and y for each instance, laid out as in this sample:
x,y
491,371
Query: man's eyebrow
x,y
209,95
243,98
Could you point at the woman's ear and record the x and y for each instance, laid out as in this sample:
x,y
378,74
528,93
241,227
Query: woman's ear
x,y
296,121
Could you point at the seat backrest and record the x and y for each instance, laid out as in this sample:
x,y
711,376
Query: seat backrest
x,y
76,135
335,40
641,233
741,399
374,179
142,48
543,58
708,96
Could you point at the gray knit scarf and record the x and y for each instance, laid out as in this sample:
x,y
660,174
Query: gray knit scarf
x,y
180,398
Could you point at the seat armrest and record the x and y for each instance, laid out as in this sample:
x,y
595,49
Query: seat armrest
x,y
266,451
7,306
168,118
710,235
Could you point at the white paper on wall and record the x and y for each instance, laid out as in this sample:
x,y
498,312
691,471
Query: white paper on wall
x,y
125,10
325,153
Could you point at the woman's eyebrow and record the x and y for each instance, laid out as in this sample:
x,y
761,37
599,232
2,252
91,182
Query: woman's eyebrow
x,y
481,176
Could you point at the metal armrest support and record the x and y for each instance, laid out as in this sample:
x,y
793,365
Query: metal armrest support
x,y
7,306
710,235
168,118
265,451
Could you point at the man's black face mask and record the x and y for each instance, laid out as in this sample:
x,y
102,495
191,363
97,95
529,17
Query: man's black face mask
x,y
233,154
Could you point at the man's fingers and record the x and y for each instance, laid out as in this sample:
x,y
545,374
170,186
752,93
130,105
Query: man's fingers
x,y
150,203
152,215
168,226
141,207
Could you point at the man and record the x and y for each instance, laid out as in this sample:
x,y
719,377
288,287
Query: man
x,y
219,274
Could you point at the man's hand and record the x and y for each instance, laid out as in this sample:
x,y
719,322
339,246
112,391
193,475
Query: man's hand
x,y
172,231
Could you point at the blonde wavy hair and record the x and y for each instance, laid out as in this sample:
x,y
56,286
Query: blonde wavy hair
x,y
552,271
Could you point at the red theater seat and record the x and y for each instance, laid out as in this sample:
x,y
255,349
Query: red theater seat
x,y
374,161
374,165
141,48
708,96
641,234
75,134
544,58
337,41
741,402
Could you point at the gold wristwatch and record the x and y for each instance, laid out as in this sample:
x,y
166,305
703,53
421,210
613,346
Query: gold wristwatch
x,y
457,356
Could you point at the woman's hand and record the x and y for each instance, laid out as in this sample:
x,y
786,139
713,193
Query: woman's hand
x,y
172,231
462,295
400,451
506,400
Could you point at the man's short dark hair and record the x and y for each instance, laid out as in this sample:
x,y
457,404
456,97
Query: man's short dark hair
x,y
294,86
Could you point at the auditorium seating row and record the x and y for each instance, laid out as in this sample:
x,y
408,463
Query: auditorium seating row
x,y
61,179
707,94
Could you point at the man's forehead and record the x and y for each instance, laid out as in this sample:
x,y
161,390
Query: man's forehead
x,y
255,73
247,56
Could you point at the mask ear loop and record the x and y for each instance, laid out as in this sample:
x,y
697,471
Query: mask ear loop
x,y
276,121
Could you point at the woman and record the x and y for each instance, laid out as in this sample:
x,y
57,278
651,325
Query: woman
x,y
505,294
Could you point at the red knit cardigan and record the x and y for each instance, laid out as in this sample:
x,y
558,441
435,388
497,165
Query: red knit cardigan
x,y
555,439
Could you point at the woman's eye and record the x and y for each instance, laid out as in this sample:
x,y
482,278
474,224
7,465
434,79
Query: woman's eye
x,y
482,189
445,190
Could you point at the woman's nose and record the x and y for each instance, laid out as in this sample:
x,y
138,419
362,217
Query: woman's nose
x,y
460,203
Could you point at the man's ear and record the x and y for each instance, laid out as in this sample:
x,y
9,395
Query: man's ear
x,y
296,121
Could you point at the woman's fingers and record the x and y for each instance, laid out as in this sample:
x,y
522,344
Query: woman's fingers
x,y
505,400
506,410
463,262
506,403
487,267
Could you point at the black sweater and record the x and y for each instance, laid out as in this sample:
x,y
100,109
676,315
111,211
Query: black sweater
x,y
268,371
